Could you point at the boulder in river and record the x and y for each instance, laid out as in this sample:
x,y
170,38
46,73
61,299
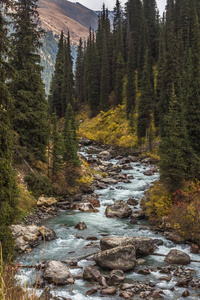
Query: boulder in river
x,y
81,226
119,258
176,256
118,210
132,201
57,273
84,207
143,245
91,273
116,276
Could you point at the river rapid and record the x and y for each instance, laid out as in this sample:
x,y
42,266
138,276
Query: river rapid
x,y
71,243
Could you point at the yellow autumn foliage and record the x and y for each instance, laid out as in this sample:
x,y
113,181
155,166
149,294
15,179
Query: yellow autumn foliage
x,y
109,127
159,202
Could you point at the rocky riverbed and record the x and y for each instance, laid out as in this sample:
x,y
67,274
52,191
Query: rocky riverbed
x,y
101,244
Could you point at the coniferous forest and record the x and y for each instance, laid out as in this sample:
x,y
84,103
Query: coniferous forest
x,y
138,77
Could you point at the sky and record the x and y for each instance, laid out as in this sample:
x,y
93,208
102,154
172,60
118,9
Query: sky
x,y
97,4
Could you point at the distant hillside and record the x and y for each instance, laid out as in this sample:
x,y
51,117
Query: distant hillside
x,y
58,15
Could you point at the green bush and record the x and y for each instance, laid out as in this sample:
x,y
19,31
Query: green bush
x,y
7,242
38,184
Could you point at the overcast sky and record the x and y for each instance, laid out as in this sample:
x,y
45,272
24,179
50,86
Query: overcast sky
x,y
97,4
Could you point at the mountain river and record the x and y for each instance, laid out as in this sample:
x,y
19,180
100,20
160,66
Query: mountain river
x,y
69,246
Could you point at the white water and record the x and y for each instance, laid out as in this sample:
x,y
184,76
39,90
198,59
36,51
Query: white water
x,y
98,224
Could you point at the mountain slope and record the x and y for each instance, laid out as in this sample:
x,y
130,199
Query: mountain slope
x,y
58,15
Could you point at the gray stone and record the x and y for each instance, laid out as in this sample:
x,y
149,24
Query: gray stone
x,y
57,273
176,256
143,245
116,276
118,210
91,273
47,233
119,258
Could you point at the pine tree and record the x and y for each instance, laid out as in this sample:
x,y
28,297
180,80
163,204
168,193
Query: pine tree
x,y
135,19
105,80
57,146
119,79
171,75
192,89
146,100
55,97
8,186
131,85
68,78
178,161
69,135
30,119
92,74
79,74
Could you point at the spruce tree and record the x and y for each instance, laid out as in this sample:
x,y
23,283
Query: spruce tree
x,y
55,96
192,89
68,77
57,146
92,75
8,186
79,74
146,100
178,161
171,73
119,79
105,82
131,84
30,118
69,135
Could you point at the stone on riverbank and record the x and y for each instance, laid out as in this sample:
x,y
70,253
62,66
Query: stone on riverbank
x,y
119,258
143,245
47,233
43,201
118,210
176,256
57,273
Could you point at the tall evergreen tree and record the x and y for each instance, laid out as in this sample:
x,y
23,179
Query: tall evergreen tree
x,y
192,89
8,186
55,97
79,74
131,84
30,119
146,100
105,82
68,77
57,146
92,72
178,161
119,79
69,135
